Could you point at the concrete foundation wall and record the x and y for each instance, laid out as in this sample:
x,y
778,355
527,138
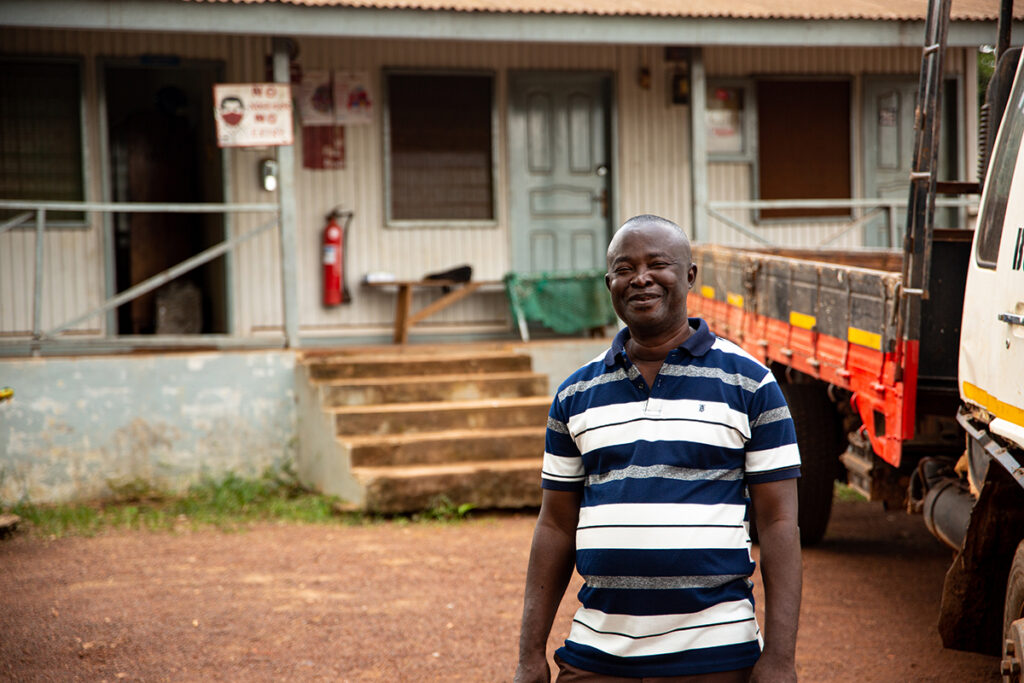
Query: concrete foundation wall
x,y
75,425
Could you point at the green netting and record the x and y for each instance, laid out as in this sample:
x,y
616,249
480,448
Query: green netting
x,y
567,303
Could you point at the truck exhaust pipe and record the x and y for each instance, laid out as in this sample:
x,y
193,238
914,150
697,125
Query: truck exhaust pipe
x,y
947,511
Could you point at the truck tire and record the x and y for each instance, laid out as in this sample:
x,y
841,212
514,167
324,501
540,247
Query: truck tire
x,y
818,434
1013,608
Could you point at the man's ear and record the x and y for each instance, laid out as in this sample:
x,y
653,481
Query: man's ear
x,y
691,275
608,281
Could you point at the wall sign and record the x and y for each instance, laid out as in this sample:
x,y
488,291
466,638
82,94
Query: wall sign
x,y
253,114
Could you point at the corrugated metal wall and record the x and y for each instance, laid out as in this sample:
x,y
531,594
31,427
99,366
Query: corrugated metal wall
x,y
732,181
651,169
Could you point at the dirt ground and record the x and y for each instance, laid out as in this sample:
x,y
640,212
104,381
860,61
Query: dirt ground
x,y
412,602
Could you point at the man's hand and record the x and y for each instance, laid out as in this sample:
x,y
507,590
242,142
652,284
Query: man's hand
x,y
772,669
535,670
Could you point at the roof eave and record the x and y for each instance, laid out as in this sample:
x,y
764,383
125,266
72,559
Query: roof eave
x,y
341,22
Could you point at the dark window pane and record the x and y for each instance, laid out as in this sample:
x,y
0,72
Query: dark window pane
x,y
40,133
440,160
998,179
803,130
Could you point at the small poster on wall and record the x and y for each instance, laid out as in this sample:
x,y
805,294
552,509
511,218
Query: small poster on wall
x,y
316,99
353,98
323,147
252,114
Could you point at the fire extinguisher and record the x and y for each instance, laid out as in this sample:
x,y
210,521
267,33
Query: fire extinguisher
x,y
335,235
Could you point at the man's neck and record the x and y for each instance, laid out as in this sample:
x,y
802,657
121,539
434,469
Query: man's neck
x,y
656,347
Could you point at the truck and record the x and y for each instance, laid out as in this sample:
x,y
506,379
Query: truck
x,y
904,369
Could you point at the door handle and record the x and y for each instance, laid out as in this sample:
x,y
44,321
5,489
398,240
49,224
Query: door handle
x,y
1011,318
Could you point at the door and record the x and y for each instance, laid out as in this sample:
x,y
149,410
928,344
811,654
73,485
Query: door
x,y
992,331
888,130
162,149
559,172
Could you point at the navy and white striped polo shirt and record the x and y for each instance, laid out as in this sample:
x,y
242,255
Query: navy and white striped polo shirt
x,y
662,540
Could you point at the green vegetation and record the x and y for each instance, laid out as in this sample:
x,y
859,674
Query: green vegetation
x,y
845,494
229,503
444,510
986,67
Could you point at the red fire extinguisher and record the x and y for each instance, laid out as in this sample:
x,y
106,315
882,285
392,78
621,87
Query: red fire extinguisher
x,y
335,234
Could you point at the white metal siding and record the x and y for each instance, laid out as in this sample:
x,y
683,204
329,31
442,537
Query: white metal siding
x,y
650,166
733,181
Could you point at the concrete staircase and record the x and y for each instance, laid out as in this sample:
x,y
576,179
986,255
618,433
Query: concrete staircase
x,y
413,425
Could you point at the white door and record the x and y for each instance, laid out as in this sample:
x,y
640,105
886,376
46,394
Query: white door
x,y
558,171
992,334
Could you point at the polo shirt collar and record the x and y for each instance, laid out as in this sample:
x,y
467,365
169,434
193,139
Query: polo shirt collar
x,y
697,344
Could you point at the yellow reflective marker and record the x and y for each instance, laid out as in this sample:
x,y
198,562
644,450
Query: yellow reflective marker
x,y
802,320
707,292
861,337
734,299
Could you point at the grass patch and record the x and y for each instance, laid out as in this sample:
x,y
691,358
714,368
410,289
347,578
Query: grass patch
x,y
228,503
846,494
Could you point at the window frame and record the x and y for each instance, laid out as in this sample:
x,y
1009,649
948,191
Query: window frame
x,y
420,223
77,61
749,127
991,218
851,119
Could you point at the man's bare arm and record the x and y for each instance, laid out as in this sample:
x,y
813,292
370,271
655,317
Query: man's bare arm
x,y
775,507
552,557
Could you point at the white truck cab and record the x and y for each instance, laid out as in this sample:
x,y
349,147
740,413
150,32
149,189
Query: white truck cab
x,y
991,384
991,366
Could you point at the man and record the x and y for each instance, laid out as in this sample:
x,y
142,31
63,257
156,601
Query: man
x,y
650,450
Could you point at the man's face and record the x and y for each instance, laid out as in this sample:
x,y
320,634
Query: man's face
x,y
231,111
649,275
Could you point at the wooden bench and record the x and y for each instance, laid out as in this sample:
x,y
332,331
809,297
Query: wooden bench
x,y
404,316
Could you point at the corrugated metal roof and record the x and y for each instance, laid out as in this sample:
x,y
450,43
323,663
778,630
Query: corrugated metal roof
x,y
878,10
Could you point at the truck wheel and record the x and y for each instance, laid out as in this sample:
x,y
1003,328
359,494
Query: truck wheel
x,y
1013,610
818,435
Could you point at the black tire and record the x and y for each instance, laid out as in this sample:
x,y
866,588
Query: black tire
x,y
819,435
1013,607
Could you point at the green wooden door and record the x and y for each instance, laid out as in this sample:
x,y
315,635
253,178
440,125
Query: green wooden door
x,y
559,175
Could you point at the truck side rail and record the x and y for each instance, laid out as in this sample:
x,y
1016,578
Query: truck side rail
x,y
835,322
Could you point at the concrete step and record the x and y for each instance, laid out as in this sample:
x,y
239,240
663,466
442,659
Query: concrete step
x,y
420,389
505,484
405,364
452,446
407,418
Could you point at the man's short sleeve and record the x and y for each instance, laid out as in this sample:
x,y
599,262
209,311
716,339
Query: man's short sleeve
x,y
563,465
772,452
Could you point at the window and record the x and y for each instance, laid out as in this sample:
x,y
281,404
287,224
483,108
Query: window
x,y
803,134
999,178
440,143
727,121
41,133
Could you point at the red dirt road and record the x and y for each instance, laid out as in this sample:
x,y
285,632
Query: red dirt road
x,y
413,602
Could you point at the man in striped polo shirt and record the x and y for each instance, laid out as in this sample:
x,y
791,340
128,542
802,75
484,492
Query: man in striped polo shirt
x,y
651,451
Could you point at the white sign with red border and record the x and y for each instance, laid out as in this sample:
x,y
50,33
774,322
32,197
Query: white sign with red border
x,y
253,114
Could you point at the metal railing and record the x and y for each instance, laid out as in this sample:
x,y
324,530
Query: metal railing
x,y
868,210
51,336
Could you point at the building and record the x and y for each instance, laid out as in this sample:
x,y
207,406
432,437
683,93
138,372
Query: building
x,y
508,135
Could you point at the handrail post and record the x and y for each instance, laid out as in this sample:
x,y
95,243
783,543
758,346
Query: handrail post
x,y
286,197
698,146
37,290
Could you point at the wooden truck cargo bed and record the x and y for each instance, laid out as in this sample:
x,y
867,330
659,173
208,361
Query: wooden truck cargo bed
x,y
831,315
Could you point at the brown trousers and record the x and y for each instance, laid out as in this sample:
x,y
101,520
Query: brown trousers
x,y
570,674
